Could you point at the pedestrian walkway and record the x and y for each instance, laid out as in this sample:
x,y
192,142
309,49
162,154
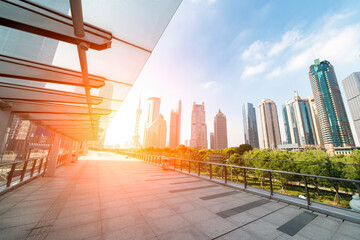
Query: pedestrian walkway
x,y
108,196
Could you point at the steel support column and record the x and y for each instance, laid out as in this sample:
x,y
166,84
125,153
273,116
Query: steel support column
x,y
53,154
69,155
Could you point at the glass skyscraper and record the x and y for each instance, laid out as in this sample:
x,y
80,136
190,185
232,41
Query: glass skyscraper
x,y
351,86
334,123
250,126
299,121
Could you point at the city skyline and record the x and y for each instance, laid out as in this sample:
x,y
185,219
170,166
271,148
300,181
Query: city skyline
x,y
242,63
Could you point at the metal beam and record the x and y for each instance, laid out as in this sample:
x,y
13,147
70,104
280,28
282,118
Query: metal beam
x,y
27,70
9,91
33,18
53,108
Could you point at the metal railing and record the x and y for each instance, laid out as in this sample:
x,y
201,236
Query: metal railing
x,y
273,179
16,172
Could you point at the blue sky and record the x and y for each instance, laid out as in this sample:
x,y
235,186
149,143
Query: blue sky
x,y
226,53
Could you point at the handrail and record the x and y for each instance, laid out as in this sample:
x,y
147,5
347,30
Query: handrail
x,y
18,161
264,170
156,159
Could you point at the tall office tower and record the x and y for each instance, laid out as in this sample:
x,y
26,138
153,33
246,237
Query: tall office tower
x,y
269,124
175,127
212,146
351,86
29,46
136,137
220,131
198,127
334,123
298,121
155,126
250,126
316,122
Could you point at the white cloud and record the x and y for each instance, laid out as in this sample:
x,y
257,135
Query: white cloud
x,y
254,51
254,70
208,84
287,40
274,73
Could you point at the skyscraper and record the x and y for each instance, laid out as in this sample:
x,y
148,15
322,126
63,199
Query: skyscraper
x,y
250,126
175,127
333,119
220,131
198,127
351,86
269,124
155,126
136,136
212,145
299,121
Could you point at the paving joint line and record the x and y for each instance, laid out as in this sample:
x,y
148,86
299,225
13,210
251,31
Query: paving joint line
x,y
249,222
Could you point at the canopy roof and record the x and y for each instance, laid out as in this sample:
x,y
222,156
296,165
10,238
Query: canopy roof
x,y
46,76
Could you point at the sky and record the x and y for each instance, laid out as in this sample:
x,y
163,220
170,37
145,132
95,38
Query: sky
x,y
229,52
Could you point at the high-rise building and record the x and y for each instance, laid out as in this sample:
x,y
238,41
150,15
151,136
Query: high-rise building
x,y
299,122
198,127
155,126
269,124
334,123
136,137
351,86
175,127
250,126
220,131
212,146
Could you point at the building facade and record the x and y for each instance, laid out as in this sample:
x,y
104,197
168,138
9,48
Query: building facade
x,y
269,124
299,122
198,127
212,146
251,135
351,86
155,126
334,123
220,131
175,127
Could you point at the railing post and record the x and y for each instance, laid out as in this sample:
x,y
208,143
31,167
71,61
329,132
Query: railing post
x,y
189,166
271,186
245,183
33,168
41,162
307,192
10,175
181,165
23,171
358,188
225,173
210,171
198,168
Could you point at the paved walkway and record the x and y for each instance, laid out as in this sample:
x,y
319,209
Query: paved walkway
x,y
106,196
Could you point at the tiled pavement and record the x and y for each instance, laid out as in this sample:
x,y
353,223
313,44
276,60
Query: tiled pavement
x,y
106,196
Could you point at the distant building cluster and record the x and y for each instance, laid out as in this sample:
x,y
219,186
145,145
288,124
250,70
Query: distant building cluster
x,y
318,122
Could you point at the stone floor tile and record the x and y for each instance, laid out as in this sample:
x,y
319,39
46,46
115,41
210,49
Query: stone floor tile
x,y
167,224
188,233
140,232
215,226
